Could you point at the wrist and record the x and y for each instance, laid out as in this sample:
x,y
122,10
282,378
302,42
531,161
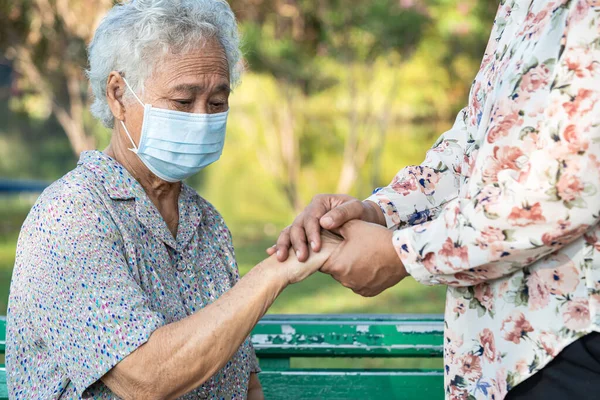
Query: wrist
x,y
373,213
273,273
392,256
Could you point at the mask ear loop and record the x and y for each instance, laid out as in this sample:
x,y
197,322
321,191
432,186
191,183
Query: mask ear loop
x,y
135,148
135,95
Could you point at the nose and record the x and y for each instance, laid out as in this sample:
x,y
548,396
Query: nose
x,y
202,107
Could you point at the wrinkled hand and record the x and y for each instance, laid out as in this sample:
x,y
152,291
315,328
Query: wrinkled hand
x,y
296,271
366,260
327,211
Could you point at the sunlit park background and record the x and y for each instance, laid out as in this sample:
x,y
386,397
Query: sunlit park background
x,y
338,96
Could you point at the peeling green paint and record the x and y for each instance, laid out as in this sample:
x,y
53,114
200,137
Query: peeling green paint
x,y
279,338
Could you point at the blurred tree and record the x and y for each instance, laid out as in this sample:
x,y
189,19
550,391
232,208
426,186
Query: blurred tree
x,y
358,36
46,42
281,39
289,39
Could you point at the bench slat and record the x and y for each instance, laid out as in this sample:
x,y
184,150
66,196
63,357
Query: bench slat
x,y
349,336
2,335
349,385
3,387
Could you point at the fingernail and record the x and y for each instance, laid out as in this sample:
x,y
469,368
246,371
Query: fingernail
x,y
298,254
313,245
327,221
278,253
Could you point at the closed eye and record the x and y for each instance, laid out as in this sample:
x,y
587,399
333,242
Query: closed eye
x,y
183,102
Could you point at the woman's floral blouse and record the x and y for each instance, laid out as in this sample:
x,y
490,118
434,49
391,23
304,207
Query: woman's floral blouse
x,y
97,271
505,209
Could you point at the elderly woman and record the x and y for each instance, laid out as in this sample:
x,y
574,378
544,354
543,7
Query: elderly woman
x,y
124,278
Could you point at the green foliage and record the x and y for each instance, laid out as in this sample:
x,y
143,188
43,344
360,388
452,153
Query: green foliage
x,y
31,147
13,211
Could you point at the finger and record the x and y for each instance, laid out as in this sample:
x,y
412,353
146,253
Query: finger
x,y
272,250
283,245
298,239
313,233
319,206
342,214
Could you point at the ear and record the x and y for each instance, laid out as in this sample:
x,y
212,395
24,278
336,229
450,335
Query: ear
x,y
115,91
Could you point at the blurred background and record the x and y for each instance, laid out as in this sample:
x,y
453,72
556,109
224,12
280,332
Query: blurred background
x,y
339,95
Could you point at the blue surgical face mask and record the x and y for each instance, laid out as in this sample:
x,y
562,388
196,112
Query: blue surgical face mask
x,y
175,145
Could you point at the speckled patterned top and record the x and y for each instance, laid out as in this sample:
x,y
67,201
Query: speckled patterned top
x,y
97,271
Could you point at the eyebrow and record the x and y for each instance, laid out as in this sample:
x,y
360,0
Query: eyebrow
x,y
199,88
223,88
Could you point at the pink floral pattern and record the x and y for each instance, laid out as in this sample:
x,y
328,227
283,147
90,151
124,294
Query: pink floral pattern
x,y
505,209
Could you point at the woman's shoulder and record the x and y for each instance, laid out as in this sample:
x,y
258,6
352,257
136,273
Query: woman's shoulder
x,y
69,216
67,199
78,184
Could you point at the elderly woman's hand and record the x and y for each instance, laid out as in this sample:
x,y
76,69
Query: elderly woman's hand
x,y
296,271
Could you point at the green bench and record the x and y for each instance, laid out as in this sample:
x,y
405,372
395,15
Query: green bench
x,y
281,340
278,339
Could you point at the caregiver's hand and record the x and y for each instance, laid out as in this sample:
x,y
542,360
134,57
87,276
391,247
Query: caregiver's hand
x,y
366,261
327,211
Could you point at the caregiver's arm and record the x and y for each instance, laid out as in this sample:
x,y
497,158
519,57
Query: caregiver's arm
x,y
536,186
182,355
416,194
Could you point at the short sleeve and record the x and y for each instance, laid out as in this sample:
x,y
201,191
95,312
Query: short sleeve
x,y
85,302
254,364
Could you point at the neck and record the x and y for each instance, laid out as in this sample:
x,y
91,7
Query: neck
x,y
164,195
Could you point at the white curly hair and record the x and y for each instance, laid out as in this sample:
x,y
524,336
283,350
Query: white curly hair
x,y
134,35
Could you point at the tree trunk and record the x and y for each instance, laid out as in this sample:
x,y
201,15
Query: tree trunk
x,y
74,130
70,119
382,125
348,173
290,153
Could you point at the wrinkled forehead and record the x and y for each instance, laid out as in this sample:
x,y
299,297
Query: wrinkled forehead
x,y
205,64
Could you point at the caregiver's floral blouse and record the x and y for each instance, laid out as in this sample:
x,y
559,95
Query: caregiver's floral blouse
x,y
505,210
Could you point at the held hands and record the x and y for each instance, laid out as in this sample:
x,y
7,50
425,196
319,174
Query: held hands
x,y
365,261
327,211
296,271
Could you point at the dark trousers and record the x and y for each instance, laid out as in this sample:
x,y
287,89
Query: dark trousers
x,y
573,374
